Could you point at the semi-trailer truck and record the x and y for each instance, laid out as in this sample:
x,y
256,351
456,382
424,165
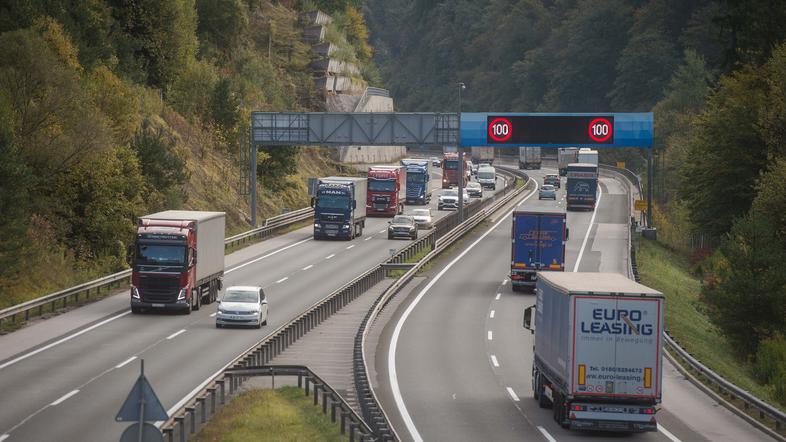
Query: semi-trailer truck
x,y
587,155
450,173
565,156
418,180
482,155
598,351
339,207
529,158
538,245
582,186
387,190
178,260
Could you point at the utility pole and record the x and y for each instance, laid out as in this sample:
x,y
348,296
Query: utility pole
x,y
460,150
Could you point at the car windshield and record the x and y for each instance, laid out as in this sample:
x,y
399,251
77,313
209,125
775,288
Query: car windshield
x,y
486,175
333,202
473,184
548,187
421,212
450,193
160,254
402,220
240,296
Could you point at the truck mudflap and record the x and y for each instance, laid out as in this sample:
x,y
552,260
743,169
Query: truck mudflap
x,y
611,417
523,280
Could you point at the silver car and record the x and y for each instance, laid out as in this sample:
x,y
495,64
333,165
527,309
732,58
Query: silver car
x,y
423,218
547,191
474,189
242,305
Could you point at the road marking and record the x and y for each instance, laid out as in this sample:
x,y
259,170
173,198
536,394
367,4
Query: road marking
x,y
494,361
498,295
504,281
267,256
546,434
368,238
282,280
491,315
668,434
4,437
175,334
589,229
382,231
330,256
66,339
213,314
349,247
512,394
490,335
126,362
392,374
308,267
64,398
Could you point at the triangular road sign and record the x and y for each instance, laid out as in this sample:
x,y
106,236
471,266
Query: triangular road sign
x,y
153,410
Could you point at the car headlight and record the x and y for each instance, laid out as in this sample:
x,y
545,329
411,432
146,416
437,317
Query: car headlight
x,y
222,311
135,293
182,295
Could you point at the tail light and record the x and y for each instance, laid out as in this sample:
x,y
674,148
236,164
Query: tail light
x,y
575,407
649,410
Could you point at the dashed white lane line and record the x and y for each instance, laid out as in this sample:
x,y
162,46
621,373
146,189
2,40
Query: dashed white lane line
x,y
368,238
491,314
282,280
349,247
490,335
4,437
330,256
382,231
126,362
512,394
504,281
64,398
212,315
494,361
546,434
308,267
589,229
668,434
498,295
175,334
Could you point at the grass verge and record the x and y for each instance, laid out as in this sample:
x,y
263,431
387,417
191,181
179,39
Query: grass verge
x,y
686,318
283,414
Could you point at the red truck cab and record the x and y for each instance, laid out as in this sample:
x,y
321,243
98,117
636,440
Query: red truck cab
x,y
386,190
450,173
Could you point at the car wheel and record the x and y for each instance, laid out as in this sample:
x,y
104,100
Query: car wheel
x,y
259,325
264,322
415,236
218,325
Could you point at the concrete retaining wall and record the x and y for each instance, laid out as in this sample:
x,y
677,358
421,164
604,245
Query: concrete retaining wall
x,y
369,154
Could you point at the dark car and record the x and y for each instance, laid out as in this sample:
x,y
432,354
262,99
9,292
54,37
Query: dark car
x,y
552,179
403,226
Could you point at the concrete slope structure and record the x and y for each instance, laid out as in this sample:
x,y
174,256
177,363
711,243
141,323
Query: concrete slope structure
x,y
454,362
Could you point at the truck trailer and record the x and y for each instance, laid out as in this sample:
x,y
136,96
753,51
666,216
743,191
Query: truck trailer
x,y
178,260
582,186
387,190
538,245
598,351
565,156
339,207
587,155
482,155
418,180
529,158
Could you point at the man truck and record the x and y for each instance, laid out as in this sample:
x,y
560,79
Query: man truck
x,y
538,245
529,158
339,207
582,186
565,156
387,190
450,172
418,180
178,260
598,351
482,155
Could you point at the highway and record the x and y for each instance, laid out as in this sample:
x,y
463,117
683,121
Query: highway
x,y
455,363
70,386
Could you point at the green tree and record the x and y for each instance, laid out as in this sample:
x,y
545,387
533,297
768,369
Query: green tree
x,y
274,164
160,164
222,22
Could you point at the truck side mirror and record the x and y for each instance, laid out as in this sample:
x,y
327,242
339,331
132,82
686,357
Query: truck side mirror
x,y
313,201
354,204
528,318
130,255
567,233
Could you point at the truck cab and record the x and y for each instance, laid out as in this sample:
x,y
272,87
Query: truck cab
x,y
450,172
337,213
418,181
386,190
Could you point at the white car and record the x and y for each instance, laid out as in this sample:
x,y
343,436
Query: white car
x,y
422,218
242,305
474,189
449,199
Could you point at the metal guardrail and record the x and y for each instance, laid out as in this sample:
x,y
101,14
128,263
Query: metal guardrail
x,y
60,299
728,391
367,398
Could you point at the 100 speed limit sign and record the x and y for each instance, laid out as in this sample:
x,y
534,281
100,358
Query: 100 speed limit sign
x,y
500,129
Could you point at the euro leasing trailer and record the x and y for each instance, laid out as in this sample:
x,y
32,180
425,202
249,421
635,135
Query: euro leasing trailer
x,y
598,350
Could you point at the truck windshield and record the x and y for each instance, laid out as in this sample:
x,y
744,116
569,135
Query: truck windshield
x,y
451,165
161,254
413,177
381,186
333,202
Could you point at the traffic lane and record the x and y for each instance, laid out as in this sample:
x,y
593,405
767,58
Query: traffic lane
x,y
605,249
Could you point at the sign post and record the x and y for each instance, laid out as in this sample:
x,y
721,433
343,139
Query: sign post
x,y
141,405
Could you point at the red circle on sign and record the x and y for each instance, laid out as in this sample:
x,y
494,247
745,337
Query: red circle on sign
x,y
505,132
600,135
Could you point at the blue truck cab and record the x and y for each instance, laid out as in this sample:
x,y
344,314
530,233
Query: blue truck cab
x,y
339,207
418,180
538,245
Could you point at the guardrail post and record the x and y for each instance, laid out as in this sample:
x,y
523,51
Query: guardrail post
x,y
181,423
203,411
352,431
221,395
308,381
169,434
316,393
192,421
332,410
344,415
231,377
212,392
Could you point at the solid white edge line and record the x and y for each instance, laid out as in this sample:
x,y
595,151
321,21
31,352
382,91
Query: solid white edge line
x,y
308,267
392,374
330,256
4,437
494,361
490,335
512,394
491,314
60,341
175,334
349,247
546,434
668,433
589,229
266,256
282,280
126,362
64,398
498,295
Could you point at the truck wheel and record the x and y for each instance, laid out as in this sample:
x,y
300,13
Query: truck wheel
x,y
543,401
198,300
535,384
189,307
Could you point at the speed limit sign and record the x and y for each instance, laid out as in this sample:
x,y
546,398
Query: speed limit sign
x,y
500,129
600,129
